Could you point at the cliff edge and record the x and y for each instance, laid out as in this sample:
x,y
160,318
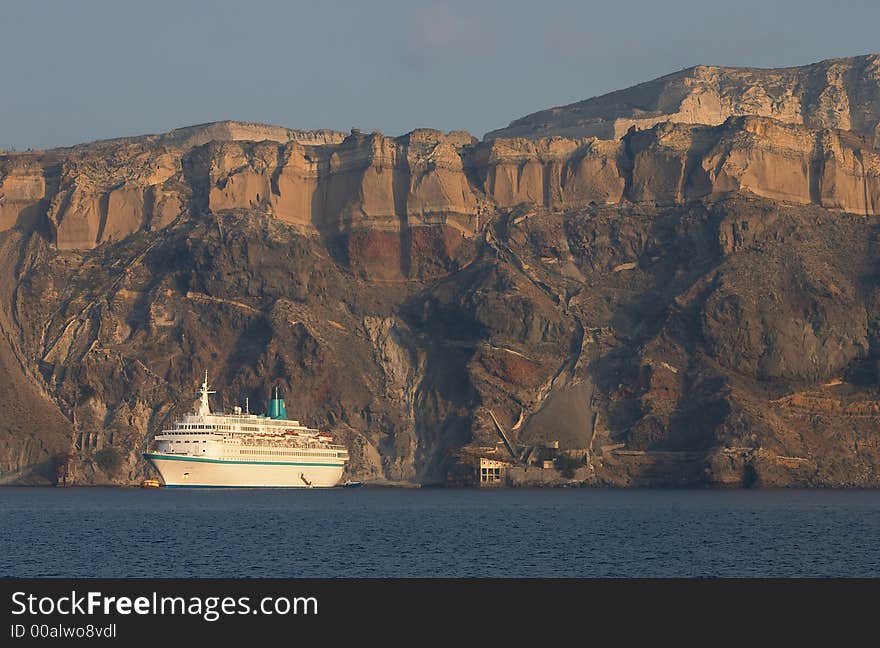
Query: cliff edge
x,y
674,284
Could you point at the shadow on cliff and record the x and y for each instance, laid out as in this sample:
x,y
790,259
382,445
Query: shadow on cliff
x,y
448,336
679,250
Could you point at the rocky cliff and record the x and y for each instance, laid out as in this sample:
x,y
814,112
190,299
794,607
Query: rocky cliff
x,y
838,93
686,299
372,185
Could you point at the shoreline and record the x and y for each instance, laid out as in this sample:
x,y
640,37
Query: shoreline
x,y
441,487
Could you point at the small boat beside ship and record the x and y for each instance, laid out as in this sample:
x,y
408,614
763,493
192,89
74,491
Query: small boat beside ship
x,y
204,450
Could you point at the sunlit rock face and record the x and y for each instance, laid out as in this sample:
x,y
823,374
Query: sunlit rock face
x,y
678,279
838,93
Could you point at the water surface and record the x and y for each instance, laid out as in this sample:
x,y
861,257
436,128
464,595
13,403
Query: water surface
x,y
97,532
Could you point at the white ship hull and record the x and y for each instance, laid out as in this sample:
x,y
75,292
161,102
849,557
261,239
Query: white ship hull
x,y
196,472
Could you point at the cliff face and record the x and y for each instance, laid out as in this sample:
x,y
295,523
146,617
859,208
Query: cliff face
x,y
374,189
692,302
838,93
675,163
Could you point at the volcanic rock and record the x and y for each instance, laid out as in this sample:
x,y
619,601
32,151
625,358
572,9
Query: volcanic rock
x,y
676,282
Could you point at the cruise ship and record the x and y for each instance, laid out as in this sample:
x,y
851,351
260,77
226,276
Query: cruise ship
x,y
205,450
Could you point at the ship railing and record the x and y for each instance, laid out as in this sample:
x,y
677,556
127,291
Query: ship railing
x,y
287,443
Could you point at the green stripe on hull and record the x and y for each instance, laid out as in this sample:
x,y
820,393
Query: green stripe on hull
x,y
252,463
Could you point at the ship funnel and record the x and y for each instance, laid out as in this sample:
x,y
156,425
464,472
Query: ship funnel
x,y
277,409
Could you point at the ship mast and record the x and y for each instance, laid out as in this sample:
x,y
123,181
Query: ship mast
x,y
204,407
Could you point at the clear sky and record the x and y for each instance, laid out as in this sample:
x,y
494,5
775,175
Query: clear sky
x,y
79,70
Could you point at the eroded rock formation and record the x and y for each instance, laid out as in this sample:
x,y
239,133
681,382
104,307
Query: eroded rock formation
x,y
684,291
838,93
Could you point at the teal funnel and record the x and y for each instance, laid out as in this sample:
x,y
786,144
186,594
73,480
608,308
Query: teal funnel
x,y
277,410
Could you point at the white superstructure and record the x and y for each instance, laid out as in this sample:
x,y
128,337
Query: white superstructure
x,y
205,450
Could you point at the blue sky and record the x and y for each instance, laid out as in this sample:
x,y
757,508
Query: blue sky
x,y
82,70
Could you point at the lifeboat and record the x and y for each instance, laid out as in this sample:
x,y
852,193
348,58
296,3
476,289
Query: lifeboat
x,y
150,483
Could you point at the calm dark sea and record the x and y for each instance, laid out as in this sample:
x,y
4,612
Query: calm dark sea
x,y
96,532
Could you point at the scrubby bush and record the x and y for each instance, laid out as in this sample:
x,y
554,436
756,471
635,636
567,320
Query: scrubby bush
x,y
567,465
109,460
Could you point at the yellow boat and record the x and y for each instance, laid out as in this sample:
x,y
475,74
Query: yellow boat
x,y
150,483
